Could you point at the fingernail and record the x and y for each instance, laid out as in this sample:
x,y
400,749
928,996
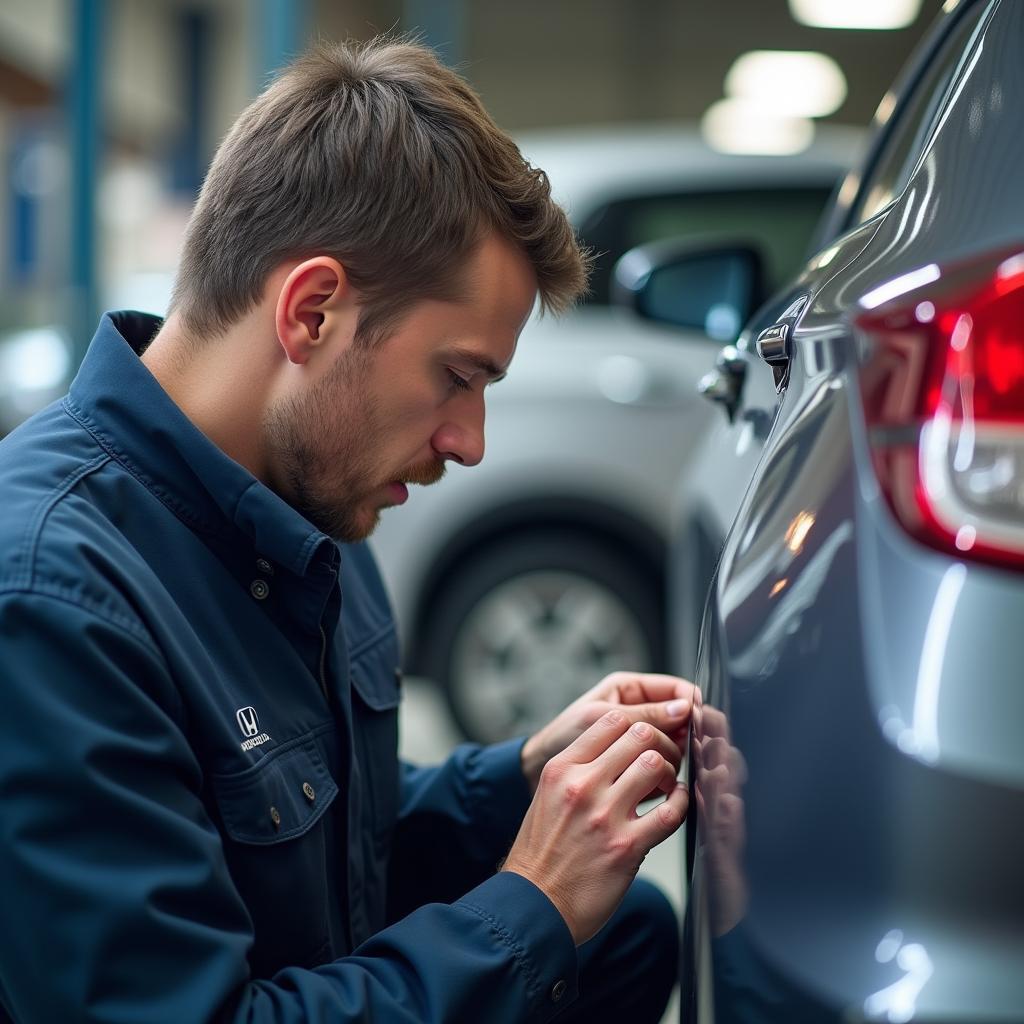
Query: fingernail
x,y
677,708
641,730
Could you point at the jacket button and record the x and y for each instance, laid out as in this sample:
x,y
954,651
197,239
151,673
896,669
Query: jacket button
x,y
264,567
275,817
309,791
260,589
558,990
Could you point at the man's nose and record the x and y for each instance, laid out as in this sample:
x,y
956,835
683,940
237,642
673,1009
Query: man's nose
x,y
461,439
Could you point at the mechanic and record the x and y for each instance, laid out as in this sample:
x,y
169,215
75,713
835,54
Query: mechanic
x,y
204,817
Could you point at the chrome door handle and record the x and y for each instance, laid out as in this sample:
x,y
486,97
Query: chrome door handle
x,y
724,383
773,344
775,348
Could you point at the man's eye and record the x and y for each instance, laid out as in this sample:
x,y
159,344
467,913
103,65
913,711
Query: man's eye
x,y
457,382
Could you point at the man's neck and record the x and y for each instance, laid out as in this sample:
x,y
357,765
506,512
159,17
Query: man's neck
x,y
222,384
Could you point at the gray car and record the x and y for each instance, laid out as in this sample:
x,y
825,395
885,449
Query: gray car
x,y
519,583
857,759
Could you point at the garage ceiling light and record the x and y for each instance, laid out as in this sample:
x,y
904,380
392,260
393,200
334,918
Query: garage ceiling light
x,y
874,14
790,82
737,126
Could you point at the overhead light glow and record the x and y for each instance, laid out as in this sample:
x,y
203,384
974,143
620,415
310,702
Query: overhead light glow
x,y
873,14
792,82
825,258
900,286
737,126
35,359
885,108
797,532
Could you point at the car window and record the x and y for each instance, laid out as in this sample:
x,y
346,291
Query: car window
x,y
914,123
778,221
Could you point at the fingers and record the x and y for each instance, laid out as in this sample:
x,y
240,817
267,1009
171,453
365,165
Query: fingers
x,y
614,724
593,742
647,776
614,749
662,821
639,737
669,716
642,688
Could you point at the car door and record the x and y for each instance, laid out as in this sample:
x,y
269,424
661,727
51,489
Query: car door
x,y
776,741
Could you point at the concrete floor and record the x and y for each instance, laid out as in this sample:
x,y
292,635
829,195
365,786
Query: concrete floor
x,y
427,735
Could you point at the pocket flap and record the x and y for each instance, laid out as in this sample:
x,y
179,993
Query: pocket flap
x,y
376,675
281,797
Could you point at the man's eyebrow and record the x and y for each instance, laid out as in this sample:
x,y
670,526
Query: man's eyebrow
x,y
481,362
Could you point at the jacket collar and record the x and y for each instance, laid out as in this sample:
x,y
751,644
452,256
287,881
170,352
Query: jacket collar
x,y
117,398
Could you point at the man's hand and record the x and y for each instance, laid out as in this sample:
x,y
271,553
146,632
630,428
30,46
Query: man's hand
x,y
663,701
582,840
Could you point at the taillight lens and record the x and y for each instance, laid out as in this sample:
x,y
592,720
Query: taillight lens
x,y
943,395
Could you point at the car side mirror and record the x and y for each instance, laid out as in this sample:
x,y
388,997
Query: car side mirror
x,y
710,287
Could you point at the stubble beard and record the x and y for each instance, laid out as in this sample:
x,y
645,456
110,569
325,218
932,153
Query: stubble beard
x,y
333,487
324,466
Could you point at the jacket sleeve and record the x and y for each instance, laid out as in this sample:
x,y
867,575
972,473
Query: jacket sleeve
x,y
456,823
117,904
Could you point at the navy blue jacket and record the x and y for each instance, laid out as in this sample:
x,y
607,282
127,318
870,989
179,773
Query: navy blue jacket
x,y
203,815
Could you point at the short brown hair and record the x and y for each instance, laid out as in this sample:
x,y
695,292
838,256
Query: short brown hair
x,y
378,155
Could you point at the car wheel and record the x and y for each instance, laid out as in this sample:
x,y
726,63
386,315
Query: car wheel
x,y
532,623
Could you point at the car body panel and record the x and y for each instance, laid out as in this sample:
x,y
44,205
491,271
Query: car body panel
x,y
863,687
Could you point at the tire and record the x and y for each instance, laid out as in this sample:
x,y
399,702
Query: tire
x,y
532,622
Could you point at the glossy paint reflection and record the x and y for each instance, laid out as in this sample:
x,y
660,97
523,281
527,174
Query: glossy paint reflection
x,y
897,1002
719,775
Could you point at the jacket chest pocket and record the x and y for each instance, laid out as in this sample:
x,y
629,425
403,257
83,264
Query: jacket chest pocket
x,y
274,828
376,696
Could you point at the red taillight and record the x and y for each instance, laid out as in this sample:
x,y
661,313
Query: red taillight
x,y
943,395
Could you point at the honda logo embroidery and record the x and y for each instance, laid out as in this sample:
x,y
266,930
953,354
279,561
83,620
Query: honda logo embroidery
x,y
249,725
248,721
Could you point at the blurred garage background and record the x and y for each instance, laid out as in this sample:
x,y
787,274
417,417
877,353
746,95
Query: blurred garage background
x,y
664,121
111,109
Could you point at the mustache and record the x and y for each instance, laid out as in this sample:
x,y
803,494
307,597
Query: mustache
x,y
424,474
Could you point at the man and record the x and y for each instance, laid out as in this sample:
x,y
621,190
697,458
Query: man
x,y
203,814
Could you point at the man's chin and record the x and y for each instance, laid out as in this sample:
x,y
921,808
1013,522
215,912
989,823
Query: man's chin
x,y
348,528
359,531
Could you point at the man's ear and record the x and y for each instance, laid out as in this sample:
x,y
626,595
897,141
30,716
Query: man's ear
x,y
315,305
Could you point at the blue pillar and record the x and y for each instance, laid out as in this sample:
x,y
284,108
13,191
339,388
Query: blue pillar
x,y
23,204
281,34
441,24
85,128
188,160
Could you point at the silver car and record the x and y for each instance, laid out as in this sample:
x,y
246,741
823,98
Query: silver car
x,y
857,757
520,583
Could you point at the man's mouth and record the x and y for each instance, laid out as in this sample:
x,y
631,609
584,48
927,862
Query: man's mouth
x,y
424,474
398,491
